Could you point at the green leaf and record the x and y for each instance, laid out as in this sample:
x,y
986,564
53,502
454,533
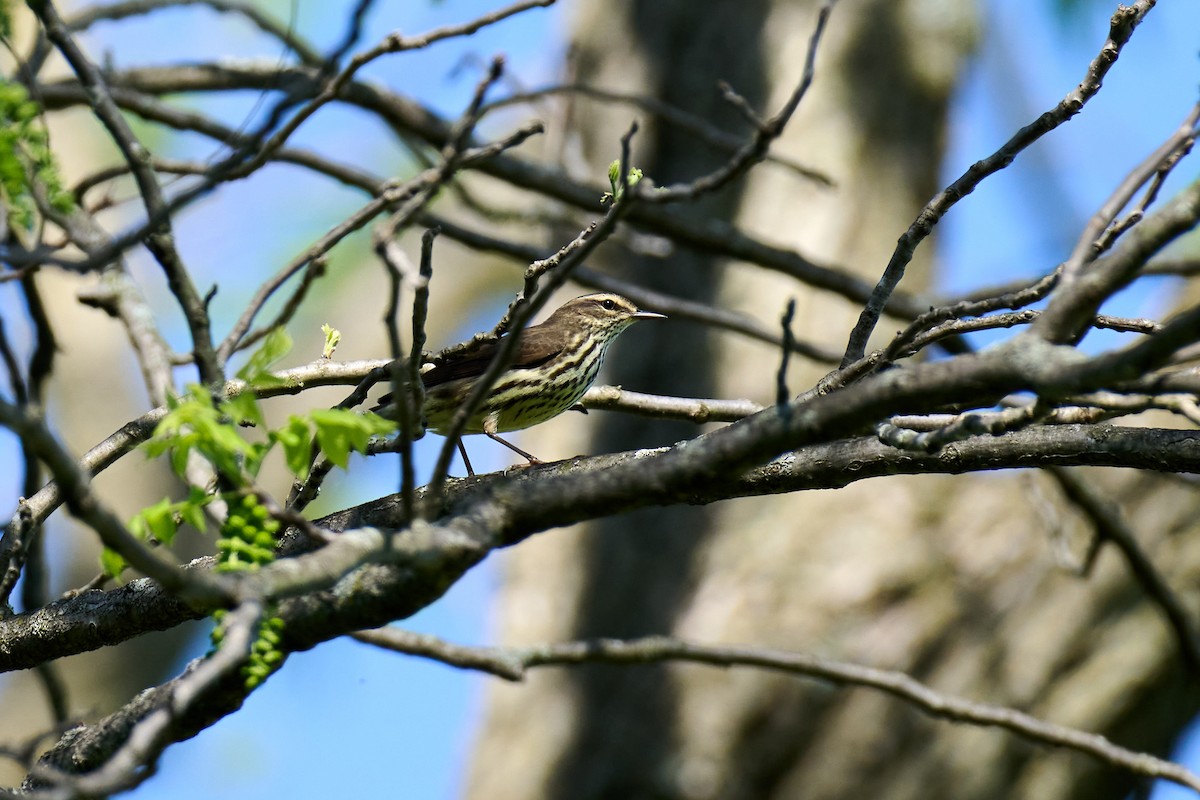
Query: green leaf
x,y
156,447
160,520
112,563
194,423
296,440
340,430
377,425
255,454
222,444
244,409
179,456
614,175
335,439
137,527
275,346
191,510
200,396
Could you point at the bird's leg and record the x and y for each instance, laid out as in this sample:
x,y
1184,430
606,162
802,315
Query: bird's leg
x,y
532,459
490,426
462,451
489,430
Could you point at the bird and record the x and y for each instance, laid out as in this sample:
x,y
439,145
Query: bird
x,y
555,363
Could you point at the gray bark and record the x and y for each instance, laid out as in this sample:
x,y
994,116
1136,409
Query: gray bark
x,y
952,579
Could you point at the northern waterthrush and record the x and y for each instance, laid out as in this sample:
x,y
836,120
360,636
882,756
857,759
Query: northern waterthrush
x,y
555,364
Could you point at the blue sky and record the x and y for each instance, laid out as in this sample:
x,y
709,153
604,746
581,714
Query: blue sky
x,y
348,720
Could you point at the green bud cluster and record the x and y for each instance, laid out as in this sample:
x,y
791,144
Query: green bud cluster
x,y
247,542
265,653
248,536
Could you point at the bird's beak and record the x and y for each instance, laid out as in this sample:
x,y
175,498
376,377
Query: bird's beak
x,y
648,315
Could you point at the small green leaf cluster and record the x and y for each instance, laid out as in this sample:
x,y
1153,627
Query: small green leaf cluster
x,y
26,160
159,523
614,180
333,337
200,424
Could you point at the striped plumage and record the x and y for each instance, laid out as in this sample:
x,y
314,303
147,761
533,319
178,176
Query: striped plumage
x,y
555,364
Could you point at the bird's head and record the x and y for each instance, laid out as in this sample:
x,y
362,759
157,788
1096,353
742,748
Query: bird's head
x,y
604,314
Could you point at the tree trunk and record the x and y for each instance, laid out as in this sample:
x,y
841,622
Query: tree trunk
x,y
954,580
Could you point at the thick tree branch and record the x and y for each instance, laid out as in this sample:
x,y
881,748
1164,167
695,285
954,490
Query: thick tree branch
x,y
510,508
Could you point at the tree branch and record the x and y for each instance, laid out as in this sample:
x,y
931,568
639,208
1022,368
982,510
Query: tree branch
x,y
512,663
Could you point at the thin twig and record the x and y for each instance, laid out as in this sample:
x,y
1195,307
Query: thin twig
x,y
766,132
159,239
88,16
1111,526
711,235
782,394
1124,20
685,409
513,663
1097,236
962,427
417,187
1072,308
393,43
671,305
136,758
1012,298
416,388
684,120
402,409
313,271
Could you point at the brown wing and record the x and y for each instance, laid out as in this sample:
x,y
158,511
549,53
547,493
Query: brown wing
x,y
537,346
466,365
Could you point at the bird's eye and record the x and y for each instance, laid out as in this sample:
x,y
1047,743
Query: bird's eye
x,y
608,305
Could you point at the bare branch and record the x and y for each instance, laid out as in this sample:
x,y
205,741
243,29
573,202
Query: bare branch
x,y
697,126
1121,28
517,505
137,757
1097,235
686,409
711,235
513,663
309,55
1111,526
766,131
418,187
159,240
